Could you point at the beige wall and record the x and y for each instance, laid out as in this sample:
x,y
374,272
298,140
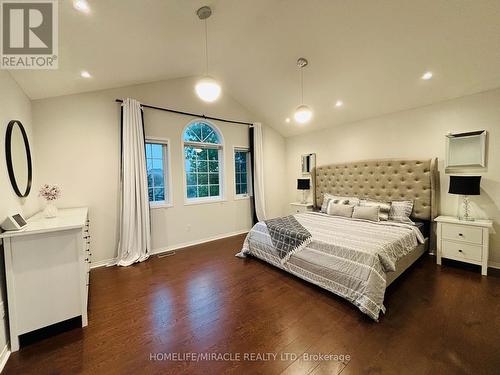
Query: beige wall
x,y
417,133
78,147
14,105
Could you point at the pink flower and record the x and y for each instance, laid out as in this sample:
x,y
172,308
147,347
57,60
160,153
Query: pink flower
x,y
50,193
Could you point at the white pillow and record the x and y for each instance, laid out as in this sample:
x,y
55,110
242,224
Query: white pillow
x,y
366,213
336,209
328,198
349,200
384,207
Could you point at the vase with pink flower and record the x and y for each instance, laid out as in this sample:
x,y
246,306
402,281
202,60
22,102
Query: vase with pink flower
x,y
50,193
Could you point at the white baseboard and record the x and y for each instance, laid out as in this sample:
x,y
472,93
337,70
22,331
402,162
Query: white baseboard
x,y
197,242
103,263
181,246
494,265
4,356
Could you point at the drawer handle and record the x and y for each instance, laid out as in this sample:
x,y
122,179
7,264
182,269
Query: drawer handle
x,y
460,234
460,251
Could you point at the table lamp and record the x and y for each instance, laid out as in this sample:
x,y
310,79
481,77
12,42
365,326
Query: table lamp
x,y
303,184
465,186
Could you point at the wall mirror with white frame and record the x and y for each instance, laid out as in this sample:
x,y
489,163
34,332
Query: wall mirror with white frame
x,y
308,163
466,149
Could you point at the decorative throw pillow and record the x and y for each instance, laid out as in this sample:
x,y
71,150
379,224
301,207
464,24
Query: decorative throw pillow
x,y
324,206
384,207
337,209
353,200
328,198
366,213
348,200
401,211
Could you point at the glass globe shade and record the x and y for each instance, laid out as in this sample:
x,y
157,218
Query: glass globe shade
x,y
303,114
208,89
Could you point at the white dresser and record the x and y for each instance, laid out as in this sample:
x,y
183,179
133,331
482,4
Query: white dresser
x,y
466,241
47,271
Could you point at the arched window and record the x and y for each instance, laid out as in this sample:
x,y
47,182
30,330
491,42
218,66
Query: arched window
x,y
203,161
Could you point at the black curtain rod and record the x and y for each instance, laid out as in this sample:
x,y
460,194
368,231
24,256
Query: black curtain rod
x,y
191,114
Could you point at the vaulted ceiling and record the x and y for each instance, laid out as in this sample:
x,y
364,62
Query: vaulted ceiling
x,y
369,54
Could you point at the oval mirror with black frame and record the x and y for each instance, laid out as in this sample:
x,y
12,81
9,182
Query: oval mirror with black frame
x,y
18,157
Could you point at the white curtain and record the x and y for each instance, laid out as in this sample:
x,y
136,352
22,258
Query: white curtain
x,y
258,172
135,229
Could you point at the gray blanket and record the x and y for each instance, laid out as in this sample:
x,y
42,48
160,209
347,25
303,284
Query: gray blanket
x,y
288,236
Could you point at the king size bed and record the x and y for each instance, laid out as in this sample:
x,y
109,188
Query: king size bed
x,y
355,257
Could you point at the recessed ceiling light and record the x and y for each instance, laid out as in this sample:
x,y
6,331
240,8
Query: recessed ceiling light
x,y
339,103
85,74
287,119
81,6
427,76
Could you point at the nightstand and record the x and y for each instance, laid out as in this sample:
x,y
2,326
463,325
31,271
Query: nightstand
x,y
297,207
465,241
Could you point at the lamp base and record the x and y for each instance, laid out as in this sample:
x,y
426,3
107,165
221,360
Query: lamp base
x,y
304,200
464,210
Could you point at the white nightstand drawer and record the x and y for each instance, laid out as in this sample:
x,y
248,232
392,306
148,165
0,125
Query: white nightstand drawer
x,y
463,233
297,208
456,250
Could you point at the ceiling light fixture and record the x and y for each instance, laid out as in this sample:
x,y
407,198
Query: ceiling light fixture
x,y
287,119
81,6
303,113
339,103
427,76
207,88
85,74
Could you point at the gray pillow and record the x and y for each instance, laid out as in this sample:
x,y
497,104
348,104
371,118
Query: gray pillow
x,y
400,211
337,209
385,207
366,213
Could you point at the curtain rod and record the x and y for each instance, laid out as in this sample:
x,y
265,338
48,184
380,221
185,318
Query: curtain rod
x,y
191,114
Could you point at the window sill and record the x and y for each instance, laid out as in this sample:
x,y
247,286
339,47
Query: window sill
x,y
242,197
203,201
160,205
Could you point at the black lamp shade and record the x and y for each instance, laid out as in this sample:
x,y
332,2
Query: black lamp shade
x,y
303,184
464,185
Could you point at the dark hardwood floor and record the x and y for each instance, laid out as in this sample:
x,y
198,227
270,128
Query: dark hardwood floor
x,y
204,300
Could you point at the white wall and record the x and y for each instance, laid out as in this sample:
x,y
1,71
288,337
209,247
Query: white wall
x,y
417,133
14,105
78,147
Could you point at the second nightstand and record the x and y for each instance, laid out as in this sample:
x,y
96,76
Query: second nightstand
x,y
466,241
297,207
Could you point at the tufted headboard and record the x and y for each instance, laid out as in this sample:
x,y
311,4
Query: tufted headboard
x,y
385,180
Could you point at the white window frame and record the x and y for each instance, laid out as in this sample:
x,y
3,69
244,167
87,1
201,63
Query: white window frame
x,y
220,148
167,174
249,173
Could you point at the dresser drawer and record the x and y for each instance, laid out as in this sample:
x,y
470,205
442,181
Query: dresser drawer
x,y
462,233
457,250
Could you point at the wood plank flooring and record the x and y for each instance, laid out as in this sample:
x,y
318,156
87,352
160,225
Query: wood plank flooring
x,y
440,320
